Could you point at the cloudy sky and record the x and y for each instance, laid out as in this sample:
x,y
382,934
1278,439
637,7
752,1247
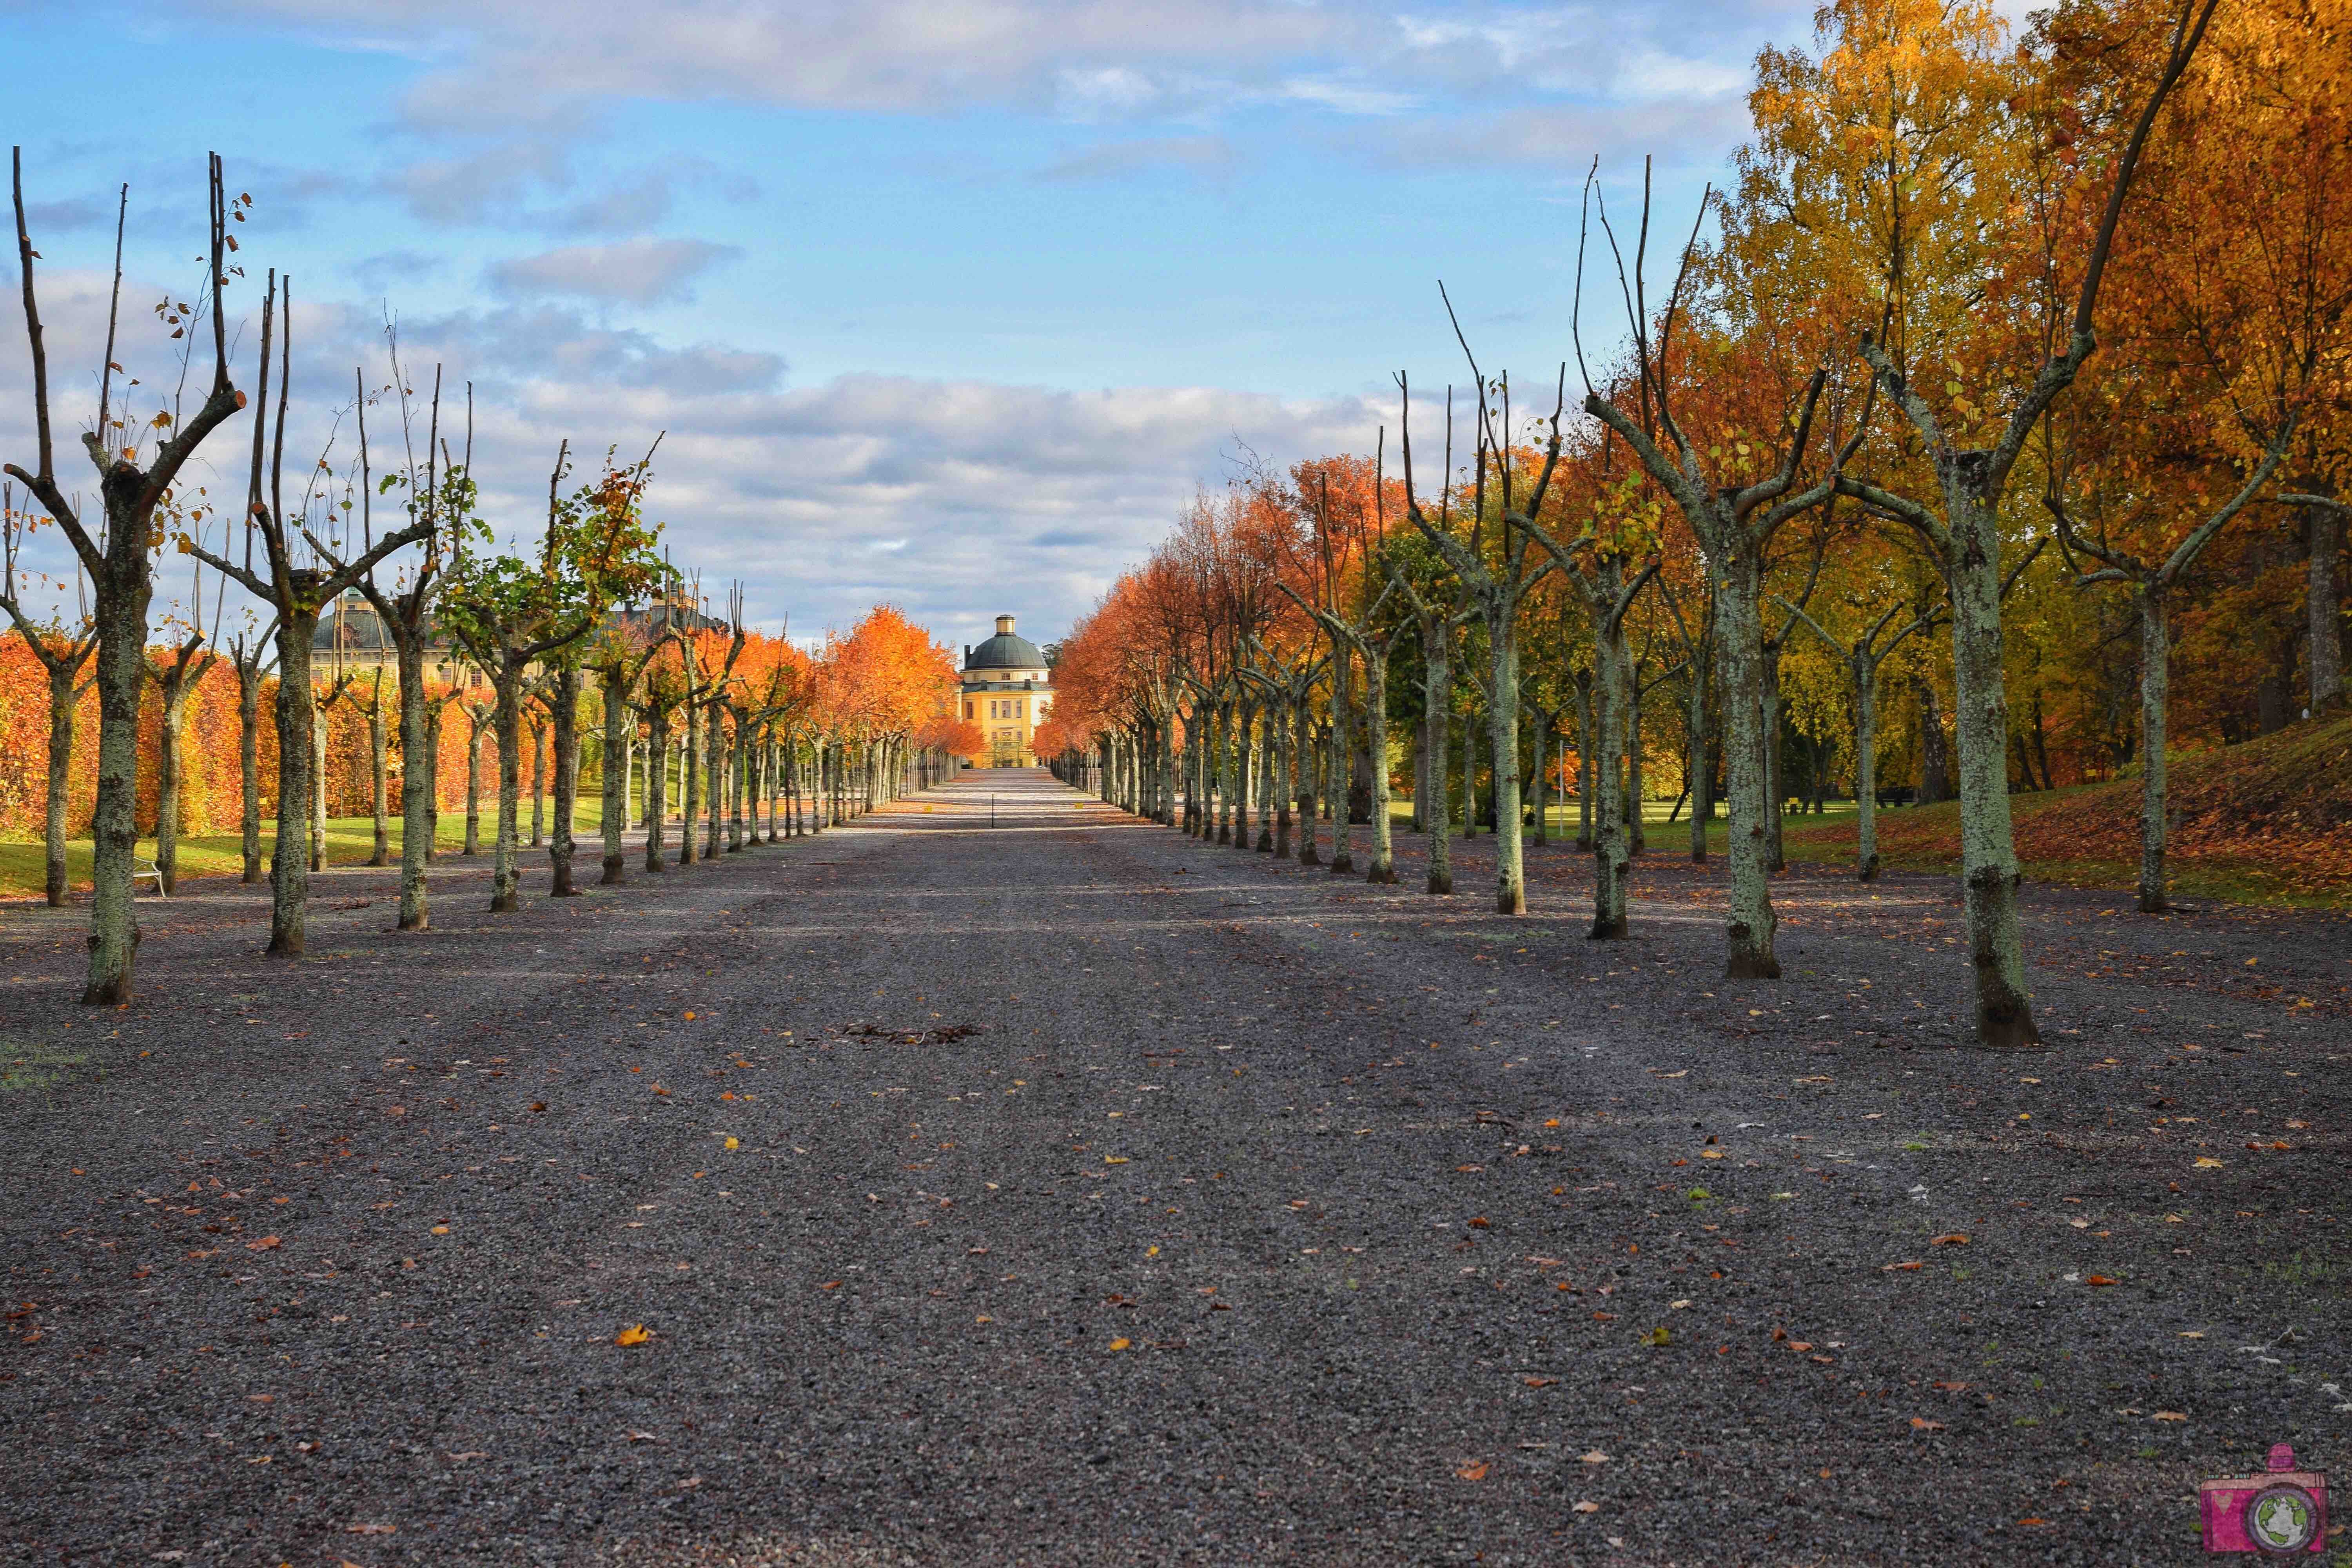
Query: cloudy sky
x,y
948,302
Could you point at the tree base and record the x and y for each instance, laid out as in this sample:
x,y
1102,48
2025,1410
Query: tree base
x,y
285,944
1264,842
114,992
1343,864
1385,876
1511,901
413,922
615,869
1611,930
2000,1029
1745,963
1867,871
1308,856
1439,882
504,904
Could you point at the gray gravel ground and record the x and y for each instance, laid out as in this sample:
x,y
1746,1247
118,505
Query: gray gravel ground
x,y
1099,1196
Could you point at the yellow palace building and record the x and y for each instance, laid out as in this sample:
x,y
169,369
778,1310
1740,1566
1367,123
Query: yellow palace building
x,y
1007,692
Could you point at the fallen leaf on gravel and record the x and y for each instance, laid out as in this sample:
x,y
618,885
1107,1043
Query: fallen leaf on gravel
x,y
1903,1268
1921,1423
2191,1334
1539,1382
2168,1415
1118,1345
635,1334
1604,1317
261,1244
642,1437
2207,1162
1800,1344
1481,1222
539,1105
689,1017
1950,1387
1594,1458
1475,1470
1955,1239
370,1529
1656,1339
1710,1154
1655,1073
1114,1159
263,1398
2096,1279
440,1230
734,1144
1586,1506
660,1090
830,1285
1472,1168
468,1454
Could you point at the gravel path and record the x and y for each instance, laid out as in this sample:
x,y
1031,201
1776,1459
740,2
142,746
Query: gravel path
x,y
1067,1192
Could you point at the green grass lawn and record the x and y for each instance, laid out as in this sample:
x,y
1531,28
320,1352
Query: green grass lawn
x,y
350,841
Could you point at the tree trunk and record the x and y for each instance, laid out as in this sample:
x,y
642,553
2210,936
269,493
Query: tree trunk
x,y
53,815
689,784
1866,767
1613,680
248,766
714,741
319,734
378,770
1342,755
1935,752
564,723
2324,532
1753,814
620,732
1587,749
1697,775
1302,743
418,774
1437,700
657,784
2155,682
1988,845
1539,781
296,715
1503,730
505,877
538,786
473,785
1637,836
1776,791
1376,726
433,711
167,782
121,672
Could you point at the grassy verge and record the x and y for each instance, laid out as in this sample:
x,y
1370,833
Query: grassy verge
x,y
350,841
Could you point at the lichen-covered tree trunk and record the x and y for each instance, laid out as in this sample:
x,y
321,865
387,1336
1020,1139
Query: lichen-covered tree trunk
x,y
1613,680
657,784
505,876
2155,687
1587,749
1437,813
1866,768
53,812
620,729
433,711
1503,730
319,794
1637,839
1776,794
167,782
473,785
2324,639
1989,867
1701,777
1302,745
714,740
378,780
419,773
248,769
1281,786
689,784
1376,724
1341,753
121,671
1740,625
563,724
1539,779
538,786
295,713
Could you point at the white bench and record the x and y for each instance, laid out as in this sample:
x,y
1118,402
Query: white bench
x,y
148,868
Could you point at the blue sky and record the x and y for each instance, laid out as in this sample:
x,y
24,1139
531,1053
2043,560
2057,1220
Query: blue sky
x,y
951,302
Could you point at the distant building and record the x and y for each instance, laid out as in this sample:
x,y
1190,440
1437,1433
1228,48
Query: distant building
x,y
1008,691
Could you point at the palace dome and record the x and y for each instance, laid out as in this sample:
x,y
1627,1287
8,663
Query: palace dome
x,y
1005,651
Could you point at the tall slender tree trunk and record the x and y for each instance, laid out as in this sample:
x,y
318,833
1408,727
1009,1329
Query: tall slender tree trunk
x,y
419,778
1376,725
1988,865
1637,836
296,715
1776,789
318,736
1588,738
433,711
564,724
2155,686
248,769
1342,754
1539,779
378,782
1302,741
538,786
505,876
60,783
167,782
714,740
620,732
473,785
1503,727
1612,681
1700,776
1437,697
689,783
1866,767
1740,624
657,784
2323,533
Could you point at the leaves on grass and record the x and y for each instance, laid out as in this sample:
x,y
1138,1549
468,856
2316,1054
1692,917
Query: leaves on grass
x,y
635,1334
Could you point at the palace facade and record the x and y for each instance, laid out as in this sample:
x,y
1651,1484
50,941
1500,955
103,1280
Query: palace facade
x,y
1008,691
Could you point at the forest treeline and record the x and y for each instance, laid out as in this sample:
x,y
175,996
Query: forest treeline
x,y
488,661
2004,378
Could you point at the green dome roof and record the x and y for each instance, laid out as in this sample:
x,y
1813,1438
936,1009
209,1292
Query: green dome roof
x,y
1005,651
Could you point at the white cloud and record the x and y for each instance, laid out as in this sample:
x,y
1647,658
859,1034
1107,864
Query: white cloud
x,y
633,271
